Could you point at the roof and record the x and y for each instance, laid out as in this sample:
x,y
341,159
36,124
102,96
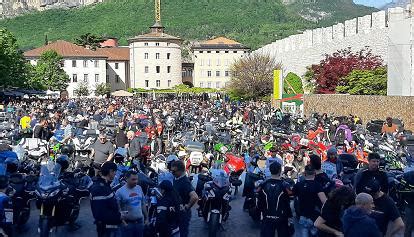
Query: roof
x,y
220,43
65,49
115,53
155,36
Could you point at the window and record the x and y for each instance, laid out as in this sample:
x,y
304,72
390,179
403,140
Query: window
x,y
227,62
116,65
146,83
168,44
145,44
208,51
169,83
200,52
117,79
157,44
201,62
146,56
226,73
85,63
209,85
85,78
217,73
96,63
146,69
201,84
158,69
157,56
97,78
218,84
168,69
201,73
208,73
218,62
73,63
168,55
234,51
226,51
217,51
158,83
209,62
75,77
107,78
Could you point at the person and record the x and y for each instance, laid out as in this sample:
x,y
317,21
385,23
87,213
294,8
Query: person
x,y
104,205
356,221
6,208
189,197
25,121
329,222
40,130
134,145
168,207
364,176
274,203
120,136
330,165
131,201
102,150
68,130
385,210
310,197
389,128
321,177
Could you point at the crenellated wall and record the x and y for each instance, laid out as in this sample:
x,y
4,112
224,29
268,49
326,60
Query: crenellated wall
x,y
299,51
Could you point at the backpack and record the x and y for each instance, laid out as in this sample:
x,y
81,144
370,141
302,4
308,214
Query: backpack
x,y
340,137
269,200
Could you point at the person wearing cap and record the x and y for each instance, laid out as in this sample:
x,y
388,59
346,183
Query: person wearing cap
x,y
102,150
330,165
167,214
104,205
364,176
386,212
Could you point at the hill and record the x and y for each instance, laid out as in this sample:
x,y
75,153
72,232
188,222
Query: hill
x,y
253,23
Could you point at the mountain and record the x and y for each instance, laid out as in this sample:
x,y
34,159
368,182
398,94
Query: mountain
x,y
253,23
397,3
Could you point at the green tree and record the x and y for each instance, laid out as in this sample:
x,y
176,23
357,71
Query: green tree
x,y
49,72
252,76
103,89
81,89
365,82
13,67
292,84
89,40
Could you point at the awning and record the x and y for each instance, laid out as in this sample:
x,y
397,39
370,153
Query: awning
x,y
122,93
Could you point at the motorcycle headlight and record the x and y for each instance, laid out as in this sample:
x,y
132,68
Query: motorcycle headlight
x,y
54,193
211,194
231,168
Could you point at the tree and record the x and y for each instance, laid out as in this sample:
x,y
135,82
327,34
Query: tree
x,y
324,77
292,84
89,40
81,89
49,72
252,76
365,82
13,67
103,89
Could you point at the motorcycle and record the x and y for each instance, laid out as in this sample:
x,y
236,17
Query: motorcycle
x,y
196,160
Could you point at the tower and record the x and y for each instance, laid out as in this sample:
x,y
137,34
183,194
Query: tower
x,y
157,27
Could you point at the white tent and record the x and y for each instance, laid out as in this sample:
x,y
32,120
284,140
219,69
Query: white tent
x,y
121,93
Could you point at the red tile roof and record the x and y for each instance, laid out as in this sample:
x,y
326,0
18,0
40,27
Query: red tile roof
x,y
115,54
65,49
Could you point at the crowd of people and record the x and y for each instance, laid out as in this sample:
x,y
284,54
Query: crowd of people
x,y
363,209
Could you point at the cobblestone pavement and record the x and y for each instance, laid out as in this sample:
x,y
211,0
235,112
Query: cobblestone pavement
x,y
239,223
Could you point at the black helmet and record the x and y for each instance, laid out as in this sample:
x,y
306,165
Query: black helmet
x,y
63,161
66,150
118,158
12,165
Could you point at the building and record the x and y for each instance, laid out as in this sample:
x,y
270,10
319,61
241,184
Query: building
x,y
106,65
212,61
155,57
187,73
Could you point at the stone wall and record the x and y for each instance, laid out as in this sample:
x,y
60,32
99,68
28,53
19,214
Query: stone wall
x,y
299,51
366,107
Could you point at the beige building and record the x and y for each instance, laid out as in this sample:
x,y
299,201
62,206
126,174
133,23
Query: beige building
x,y
212,61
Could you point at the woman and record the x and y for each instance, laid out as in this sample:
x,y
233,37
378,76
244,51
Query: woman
x,y
329,222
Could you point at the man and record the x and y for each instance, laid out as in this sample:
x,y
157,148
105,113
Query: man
x,y
363,177
134,145
385,210
68,131
356,221
389,128
188,196
274,203
102,150
310,198
131,201
40,130
121,139
103,202
321,177
330,165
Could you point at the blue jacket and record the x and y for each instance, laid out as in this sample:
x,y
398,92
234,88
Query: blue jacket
x,y
357,223
103,203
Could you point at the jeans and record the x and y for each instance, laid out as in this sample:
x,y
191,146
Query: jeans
x,y
185,217
102,231
133,229
409,221
305,228
270,226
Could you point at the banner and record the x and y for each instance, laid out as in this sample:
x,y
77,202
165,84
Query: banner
x,y
277,84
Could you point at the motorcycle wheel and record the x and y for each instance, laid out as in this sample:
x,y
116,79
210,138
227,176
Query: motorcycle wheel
x,y
213,224
44,227
24,216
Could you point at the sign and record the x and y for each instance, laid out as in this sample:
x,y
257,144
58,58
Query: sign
x,y
277,84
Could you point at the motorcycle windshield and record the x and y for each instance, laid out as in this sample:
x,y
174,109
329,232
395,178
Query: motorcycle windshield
x,y
220,178
49,175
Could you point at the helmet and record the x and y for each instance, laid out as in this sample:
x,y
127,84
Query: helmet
x,y
171,158
332,152
66,150
12,164
63,161
118,158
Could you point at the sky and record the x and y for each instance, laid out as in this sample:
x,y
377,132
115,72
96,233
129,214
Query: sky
x,y
373,3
